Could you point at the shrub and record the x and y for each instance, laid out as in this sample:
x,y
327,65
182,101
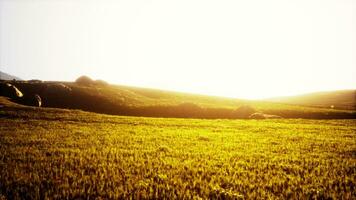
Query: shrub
x,y
57,88
84,80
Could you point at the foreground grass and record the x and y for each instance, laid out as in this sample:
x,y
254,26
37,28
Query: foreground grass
x,y
49,153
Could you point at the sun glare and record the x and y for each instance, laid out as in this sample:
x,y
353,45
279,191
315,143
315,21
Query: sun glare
x,y
245,49
124,99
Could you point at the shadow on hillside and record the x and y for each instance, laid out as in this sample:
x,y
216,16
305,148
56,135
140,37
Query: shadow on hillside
x,y
88,96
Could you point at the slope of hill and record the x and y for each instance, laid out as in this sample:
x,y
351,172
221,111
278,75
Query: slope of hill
x,y
342,99
133,101
5,76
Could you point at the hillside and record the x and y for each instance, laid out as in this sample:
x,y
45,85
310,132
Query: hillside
x,y
342,99
100,97
5,76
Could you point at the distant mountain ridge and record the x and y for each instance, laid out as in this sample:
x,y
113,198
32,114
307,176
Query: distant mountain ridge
x,y
5,76
340,99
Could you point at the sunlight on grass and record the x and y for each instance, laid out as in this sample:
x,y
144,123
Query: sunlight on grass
x,y
83,155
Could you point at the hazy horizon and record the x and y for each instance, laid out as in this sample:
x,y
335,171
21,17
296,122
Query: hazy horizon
x,y
250,50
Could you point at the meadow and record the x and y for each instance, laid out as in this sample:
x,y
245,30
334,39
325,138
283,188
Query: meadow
x,y
70,154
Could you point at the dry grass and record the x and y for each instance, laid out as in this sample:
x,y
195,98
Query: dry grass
x,y
60,154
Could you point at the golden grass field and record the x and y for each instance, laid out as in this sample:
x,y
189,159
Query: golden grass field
x,y
70,154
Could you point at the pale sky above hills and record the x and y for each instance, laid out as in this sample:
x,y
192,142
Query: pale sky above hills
x,y
246,49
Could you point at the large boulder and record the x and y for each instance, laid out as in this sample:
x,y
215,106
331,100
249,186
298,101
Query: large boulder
x,y
37,100
31,100
9,90
273,117
257,115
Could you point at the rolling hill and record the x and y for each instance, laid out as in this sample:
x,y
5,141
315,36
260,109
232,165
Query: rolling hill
x,y
342,99
5,76
100,97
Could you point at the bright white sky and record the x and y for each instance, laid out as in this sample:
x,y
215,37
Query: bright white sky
x,y
239,48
